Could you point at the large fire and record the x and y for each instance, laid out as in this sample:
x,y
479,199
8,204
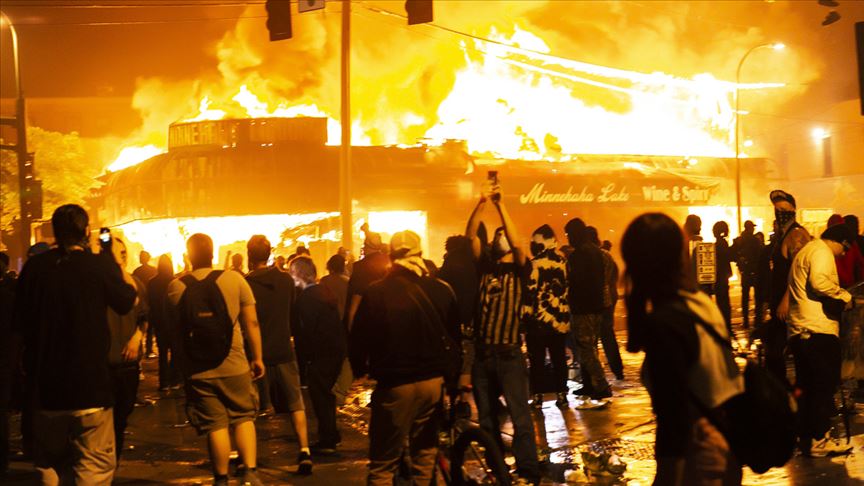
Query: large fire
x,y
230,233
513,99
509,97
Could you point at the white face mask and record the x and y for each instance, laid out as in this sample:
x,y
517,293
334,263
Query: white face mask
x,y
501,246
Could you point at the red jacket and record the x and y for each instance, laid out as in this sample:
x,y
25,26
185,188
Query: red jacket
x,y
850,266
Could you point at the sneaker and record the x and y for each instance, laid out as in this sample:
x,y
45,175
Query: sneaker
x,y
828,447
304,463
607,393
220,481
250,478
537,402
561,401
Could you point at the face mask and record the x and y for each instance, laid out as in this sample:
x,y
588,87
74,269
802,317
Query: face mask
x,y
784,217
500,247
537,248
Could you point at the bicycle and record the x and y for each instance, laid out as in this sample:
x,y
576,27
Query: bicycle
x,y
467,455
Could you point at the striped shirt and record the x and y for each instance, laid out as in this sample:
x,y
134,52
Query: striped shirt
x,y
499,304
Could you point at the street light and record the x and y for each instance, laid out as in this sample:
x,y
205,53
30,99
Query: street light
x,y
4,21
19,122
777,46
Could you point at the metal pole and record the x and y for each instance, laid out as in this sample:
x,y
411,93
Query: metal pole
x,y
737,132
345,202
737,127
21,143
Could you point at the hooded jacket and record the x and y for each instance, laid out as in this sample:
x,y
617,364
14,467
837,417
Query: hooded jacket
x,y
274,296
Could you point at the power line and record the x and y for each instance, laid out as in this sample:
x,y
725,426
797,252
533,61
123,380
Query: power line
x,y
141,22
123,5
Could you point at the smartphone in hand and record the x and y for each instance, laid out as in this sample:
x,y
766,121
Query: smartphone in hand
x,y
105,239
492,176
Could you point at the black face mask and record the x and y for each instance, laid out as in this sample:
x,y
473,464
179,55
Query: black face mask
x,y
537,248
784,217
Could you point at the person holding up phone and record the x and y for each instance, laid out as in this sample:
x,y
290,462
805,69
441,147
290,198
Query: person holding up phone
x,y
498,364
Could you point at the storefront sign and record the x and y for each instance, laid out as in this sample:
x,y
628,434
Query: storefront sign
x,y
617,193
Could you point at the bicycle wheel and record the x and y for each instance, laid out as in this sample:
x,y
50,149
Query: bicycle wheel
x,y
475,459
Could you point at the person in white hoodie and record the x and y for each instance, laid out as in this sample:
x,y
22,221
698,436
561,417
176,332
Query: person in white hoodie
x,y
816,301
666,318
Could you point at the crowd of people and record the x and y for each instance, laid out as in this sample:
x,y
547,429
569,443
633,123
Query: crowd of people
x,y
245,344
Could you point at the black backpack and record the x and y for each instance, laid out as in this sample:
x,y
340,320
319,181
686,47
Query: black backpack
x,y
435,336
206,325
759,423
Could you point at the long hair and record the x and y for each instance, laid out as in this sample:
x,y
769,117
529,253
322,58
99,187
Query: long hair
x,y
656,269
165,267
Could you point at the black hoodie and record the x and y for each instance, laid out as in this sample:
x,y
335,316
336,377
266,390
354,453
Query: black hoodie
x,y
274,296
387,339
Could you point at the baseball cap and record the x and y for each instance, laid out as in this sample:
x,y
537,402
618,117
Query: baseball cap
x,y
779,195
404,244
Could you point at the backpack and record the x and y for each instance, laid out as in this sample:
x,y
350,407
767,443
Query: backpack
x,y
759,424
435,334
205,323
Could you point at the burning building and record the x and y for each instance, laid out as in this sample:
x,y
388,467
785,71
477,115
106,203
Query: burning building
x,y
231,178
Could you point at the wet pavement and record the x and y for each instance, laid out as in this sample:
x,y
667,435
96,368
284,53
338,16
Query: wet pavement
x,y
162,449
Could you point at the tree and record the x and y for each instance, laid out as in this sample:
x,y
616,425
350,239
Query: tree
x,y
67,175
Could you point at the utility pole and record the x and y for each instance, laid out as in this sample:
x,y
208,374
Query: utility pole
x,y
26,177
345,202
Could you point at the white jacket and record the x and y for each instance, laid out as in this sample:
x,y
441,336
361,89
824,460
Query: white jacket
x,y
812,278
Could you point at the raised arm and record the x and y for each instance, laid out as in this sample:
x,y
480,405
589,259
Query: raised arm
x,y
510,232
474,225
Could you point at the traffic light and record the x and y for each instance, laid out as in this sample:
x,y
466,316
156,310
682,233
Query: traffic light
x,y
279,19
31,191
419,11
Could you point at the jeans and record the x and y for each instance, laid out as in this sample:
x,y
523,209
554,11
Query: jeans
x,y
721,290
610,343
773,335
586,330
746,285
324,404
72,449
168,372
501,371
404,415
124,384
817,375
539,339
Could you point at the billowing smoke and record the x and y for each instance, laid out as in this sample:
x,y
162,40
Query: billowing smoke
x,y
401,74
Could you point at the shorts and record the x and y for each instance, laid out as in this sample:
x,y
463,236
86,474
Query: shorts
x,y
280,388
216,403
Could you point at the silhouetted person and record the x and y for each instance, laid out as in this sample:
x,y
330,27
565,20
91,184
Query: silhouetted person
x,y
61,312
791,237
321,348
8,355
219,391
396,338
157,292
586,279
816,303
499,368
144,273
275,300
723,262
124,357
745,250
546,318
682,362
